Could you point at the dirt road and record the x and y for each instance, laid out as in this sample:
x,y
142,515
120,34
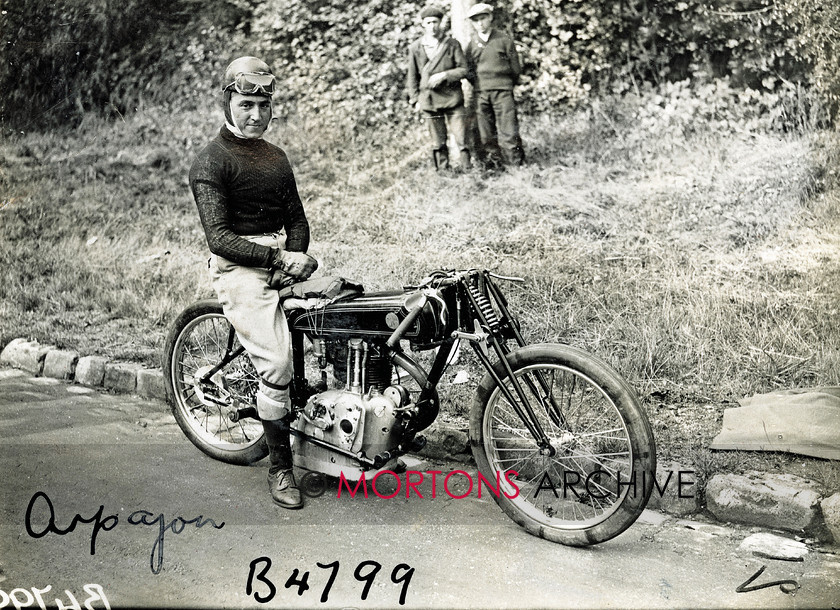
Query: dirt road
x,y
104,497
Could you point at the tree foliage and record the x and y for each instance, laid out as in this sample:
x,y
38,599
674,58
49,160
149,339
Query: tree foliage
x,y
66,58
339,61
818,27
574,48
344,61
347,63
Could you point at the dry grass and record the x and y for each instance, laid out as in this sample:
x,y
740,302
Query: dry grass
x,y
704,268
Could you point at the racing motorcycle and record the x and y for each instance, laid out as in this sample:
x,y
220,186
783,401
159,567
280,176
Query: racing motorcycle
x,y
574,448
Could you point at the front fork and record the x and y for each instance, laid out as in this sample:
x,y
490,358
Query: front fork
x,y
514,392
551,407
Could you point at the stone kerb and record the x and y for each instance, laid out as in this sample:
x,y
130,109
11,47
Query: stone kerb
x,y
121,377
831,514
60,364
784,502
26,355
150,384
676,490
90,370
446,442
778,501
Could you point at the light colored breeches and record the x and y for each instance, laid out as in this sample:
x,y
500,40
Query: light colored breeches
x,y
252,308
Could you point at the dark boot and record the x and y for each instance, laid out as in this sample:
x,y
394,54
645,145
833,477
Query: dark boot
x,y
441,157
281,478
493,160
515,156
466,162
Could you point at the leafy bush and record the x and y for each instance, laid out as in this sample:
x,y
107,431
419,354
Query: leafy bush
x,y
572,48
347,66
678,109
818,28
67,58
344,63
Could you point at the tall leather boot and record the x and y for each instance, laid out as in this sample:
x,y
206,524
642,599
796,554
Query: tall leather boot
x,y
281,479
466,162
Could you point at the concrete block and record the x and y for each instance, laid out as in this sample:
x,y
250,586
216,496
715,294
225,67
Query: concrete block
x,y
675,490
446,443
150,384
90,370
831,515
771,546
780,501
26,355
60,364
121,377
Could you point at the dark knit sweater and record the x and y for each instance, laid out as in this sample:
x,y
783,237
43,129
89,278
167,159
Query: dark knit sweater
x,y
247,187
493,65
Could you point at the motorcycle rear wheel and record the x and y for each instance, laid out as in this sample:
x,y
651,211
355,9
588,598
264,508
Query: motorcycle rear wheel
x,y
196,343
600,477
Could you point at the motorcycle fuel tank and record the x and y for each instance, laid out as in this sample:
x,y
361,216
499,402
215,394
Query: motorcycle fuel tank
x,y
376,314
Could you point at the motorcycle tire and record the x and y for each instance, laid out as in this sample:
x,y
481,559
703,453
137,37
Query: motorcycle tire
x,y
196,343
601,474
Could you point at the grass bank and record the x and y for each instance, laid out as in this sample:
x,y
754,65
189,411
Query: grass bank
x,y
702,263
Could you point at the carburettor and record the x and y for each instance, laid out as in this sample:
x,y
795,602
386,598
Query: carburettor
x,y
362,417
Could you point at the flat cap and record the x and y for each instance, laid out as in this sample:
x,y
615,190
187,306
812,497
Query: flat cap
x,y
480,9
431,11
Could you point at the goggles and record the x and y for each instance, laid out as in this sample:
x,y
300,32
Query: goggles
x,y
252,83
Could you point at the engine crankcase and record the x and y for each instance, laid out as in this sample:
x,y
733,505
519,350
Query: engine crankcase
x,y
354,422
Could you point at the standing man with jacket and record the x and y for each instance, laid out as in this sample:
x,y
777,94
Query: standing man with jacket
x,y
493,70
436,65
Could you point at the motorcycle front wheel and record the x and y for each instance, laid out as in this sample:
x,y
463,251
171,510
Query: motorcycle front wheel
x,y
596,477
199,340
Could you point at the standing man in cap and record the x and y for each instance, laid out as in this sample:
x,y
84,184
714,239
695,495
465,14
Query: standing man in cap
x,y
493,70
246,195
436,65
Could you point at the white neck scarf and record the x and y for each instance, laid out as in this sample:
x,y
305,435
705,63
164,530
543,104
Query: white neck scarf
x,y
235,131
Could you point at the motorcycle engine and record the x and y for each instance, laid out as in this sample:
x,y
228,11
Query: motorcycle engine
x,y
362,417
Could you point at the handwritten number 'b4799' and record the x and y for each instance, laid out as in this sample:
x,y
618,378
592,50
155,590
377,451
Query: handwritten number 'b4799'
x,y
365,572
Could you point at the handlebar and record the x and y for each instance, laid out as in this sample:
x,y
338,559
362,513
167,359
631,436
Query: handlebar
x,y
509,278
447,277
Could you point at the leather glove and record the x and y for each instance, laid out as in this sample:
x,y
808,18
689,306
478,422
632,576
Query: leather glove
x,y
296,264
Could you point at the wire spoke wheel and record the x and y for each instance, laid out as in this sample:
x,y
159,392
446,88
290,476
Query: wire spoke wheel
x,y
595,479
199,340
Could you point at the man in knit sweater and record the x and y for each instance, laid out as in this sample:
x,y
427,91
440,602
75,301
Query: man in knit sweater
x,y
493,70
436,65
246,195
